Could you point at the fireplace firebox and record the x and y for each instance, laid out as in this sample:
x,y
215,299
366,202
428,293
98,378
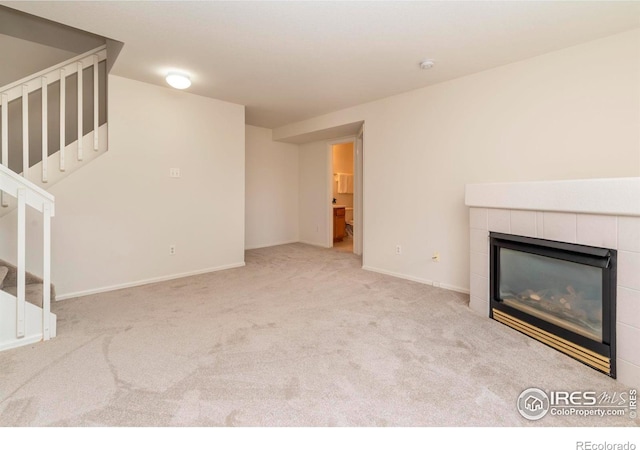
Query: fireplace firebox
x,y
558,293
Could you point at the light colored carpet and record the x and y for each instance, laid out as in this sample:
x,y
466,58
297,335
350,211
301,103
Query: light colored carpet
x,y
345,245
301,336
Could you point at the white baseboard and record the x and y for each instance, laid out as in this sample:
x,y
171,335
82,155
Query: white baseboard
x,y
273,244
28,340
450,287
116,287
315,244
416,279
242,264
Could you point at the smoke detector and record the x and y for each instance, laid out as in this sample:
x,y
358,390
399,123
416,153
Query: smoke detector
x,y
427,64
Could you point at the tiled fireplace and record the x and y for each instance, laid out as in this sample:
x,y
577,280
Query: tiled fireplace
x,y
602,213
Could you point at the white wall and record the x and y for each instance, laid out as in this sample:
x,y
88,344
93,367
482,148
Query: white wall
x,y
315,160
569,114
271,180
116,217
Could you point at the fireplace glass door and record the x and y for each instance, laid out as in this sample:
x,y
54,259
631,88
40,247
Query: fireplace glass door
x,y
560,292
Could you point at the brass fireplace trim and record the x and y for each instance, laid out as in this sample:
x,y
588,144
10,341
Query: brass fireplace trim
x,y
582,354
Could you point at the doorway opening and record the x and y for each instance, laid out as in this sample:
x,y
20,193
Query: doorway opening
x,y
342,191
345,158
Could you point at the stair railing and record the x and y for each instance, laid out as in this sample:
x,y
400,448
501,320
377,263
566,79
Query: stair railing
x,y
22,88
28,194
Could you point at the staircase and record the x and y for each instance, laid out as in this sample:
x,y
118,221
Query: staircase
x,y
51,124
34,313
78,123
22,322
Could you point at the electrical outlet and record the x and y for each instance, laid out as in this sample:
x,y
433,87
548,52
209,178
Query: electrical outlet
x,y
436,257
398,249
174,172
172,249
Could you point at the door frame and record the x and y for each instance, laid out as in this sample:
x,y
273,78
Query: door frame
x,y
358,194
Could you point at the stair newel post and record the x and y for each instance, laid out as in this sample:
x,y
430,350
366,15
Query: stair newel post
x,y
46,271
22,231
63,101
45,129
80,131
25,131
5,141
96,118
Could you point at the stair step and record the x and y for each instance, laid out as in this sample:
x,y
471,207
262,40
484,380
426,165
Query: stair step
x,y
33,288
32,294
11,279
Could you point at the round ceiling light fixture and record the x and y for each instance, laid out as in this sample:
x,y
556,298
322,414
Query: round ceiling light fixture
x,y
178,80
427,64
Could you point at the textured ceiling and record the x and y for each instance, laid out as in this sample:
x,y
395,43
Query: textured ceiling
x,y
287,61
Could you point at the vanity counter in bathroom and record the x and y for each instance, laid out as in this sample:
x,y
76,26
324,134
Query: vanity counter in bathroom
x,y
339,224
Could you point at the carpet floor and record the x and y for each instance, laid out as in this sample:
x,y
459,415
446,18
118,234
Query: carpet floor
x,y
301,336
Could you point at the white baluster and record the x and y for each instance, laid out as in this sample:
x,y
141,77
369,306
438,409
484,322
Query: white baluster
x,y
46,272
5,130
5,141
63,101
45,129
80,133
25,131
96,118
22,231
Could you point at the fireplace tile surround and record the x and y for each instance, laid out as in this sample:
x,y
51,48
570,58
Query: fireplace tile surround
x,y
598,212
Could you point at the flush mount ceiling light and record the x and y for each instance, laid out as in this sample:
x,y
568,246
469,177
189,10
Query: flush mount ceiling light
x,y
178,80
427,64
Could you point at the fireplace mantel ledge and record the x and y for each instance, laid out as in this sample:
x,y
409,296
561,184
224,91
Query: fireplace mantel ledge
x,y
606,196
